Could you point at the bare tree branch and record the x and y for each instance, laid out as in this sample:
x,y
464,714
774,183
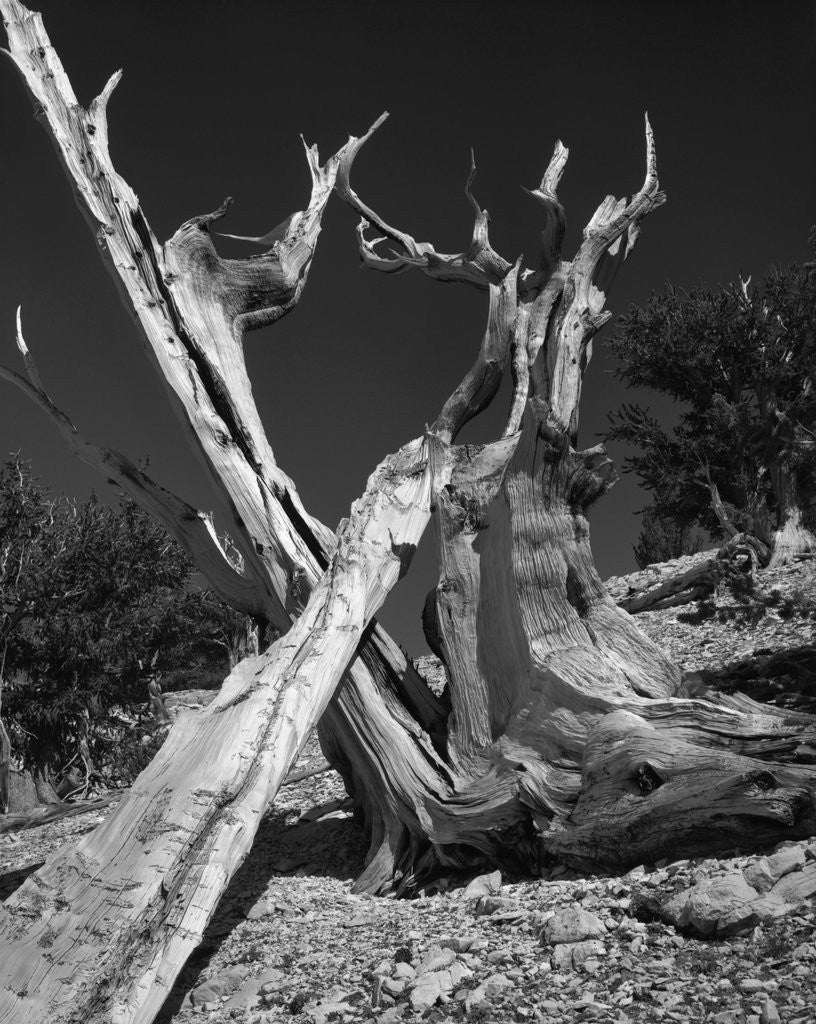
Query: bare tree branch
x,y
192,529
200,358
609,237
483,379
555,224
479,265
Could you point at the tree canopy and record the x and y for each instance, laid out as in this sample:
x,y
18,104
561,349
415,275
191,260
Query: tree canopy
x,y
739,361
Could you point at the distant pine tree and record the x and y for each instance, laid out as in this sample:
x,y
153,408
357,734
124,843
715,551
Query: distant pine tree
x,y
742,457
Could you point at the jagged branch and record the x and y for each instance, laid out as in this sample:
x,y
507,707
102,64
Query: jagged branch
x,y
200,360
192,529
612,231
555,223
482,381
258,291
479,265
609,238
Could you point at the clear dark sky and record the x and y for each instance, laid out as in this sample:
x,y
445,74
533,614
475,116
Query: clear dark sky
x,y
212,102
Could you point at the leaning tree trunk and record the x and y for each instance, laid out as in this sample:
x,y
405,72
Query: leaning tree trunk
x,y
560,715
151,874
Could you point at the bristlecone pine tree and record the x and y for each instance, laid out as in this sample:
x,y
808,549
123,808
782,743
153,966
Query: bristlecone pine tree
x,y
565,732
742,457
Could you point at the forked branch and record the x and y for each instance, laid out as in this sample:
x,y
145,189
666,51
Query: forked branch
x,y
609,237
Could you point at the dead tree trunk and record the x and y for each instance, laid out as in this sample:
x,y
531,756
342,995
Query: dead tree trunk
x,y
150,877
543,668
540,661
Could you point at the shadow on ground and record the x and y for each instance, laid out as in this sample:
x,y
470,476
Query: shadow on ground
x,y
784,678
331,848
12,880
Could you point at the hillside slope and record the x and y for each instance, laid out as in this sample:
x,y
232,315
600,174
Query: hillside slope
x,y
290,942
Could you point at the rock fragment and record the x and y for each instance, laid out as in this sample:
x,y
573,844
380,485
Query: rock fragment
x,y
573,925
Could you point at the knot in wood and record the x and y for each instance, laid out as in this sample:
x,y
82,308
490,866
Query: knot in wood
x,y
764,781
648,779
297,582
472,515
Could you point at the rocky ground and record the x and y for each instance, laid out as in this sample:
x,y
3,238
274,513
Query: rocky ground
x,y
728,940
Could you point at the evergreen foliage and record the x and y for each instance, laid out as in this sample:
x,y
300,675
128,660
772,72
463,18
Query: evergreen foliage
x,y
739,362
93,600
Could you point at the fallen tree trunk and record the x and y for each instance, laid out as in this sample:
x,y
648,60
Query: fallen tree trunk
x,y
647,793
47,814
693,584
151,875
668,586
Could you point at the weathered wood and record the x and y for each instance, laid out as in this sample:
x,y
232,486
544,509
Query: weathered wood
x,y
538,656
695,583
648,794
193,309
5,766
151,875
792,539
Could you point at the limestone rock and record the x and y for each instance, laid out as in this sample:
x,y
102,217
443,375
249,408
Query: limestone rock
x,y
724,905
570,955
797,886
573,925
764,873
403,970
492,904
459,972
394,986
475,998
483,885
215,988
435,960
497,983
427,989
458,943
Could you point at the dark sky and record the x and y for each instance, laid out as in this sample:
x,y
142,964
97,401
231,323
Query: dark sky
x,y
213,99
